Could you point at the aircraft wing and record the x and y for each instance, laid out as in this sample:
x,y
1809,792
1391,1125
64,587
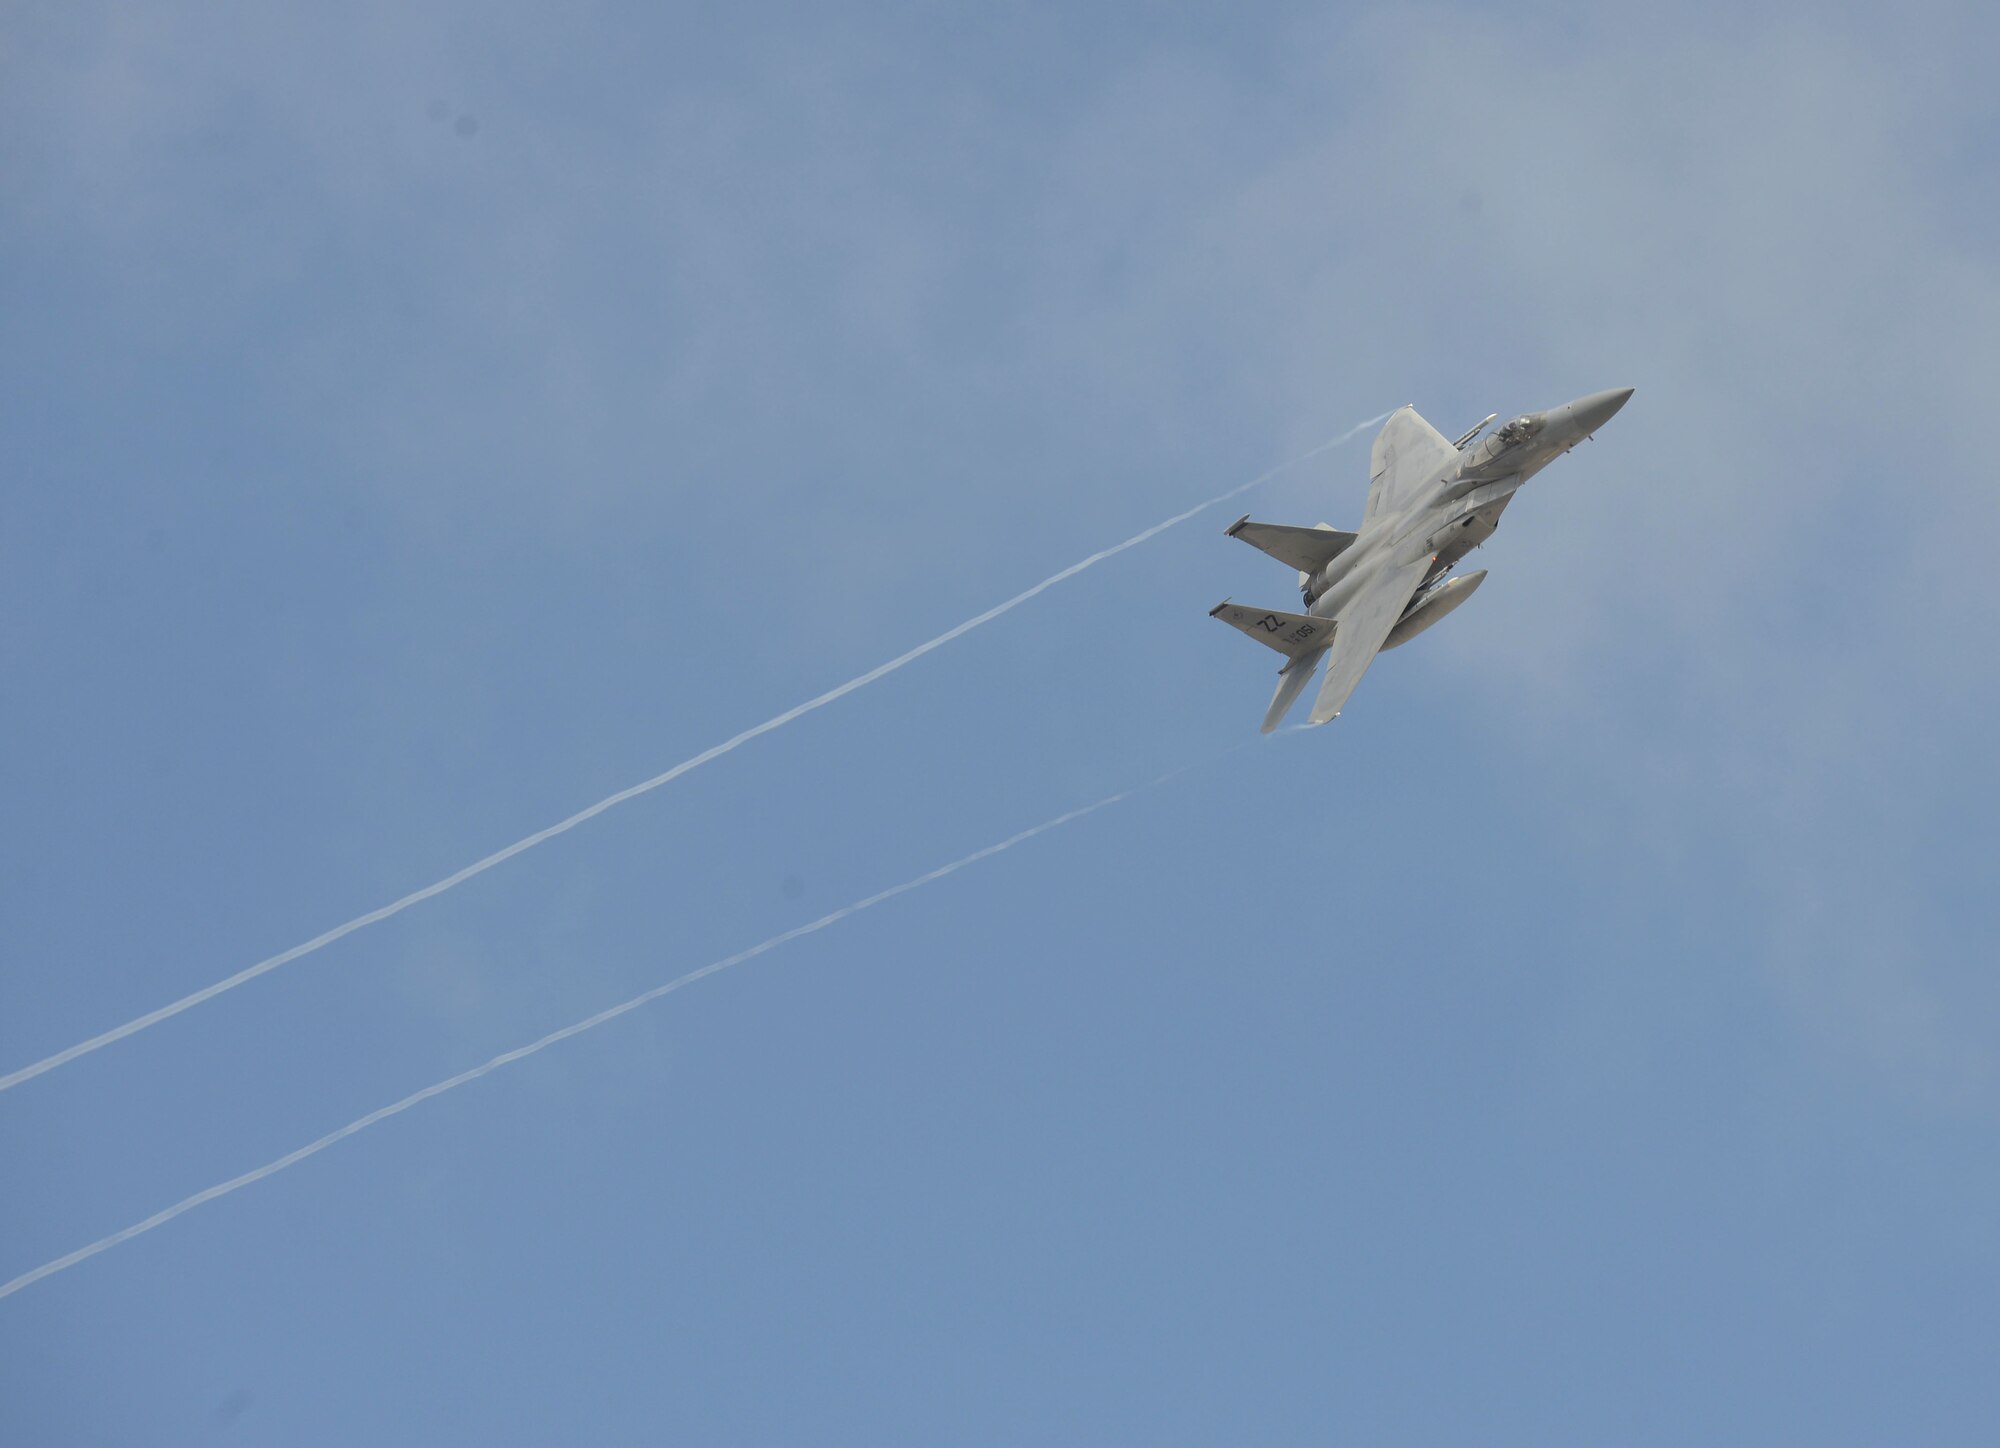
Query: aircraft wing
x,y
1408,452
1359,631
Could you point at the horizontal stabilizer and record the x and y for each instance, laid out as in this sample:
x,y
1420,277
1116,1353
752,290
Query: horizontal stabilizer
x,y
1291,634
1306,549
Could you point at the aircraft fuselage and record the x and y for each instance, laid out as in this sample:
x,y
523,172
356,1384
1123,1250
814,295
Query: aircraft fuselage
x,y
1458,507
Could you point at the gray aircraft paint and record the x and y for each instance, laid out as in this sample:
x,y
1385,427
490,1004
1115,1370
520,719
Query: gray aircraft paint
x,y
1430,502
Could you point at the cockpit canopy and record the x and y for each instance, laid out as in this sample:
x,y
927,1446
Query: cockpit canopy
x,y
1520,429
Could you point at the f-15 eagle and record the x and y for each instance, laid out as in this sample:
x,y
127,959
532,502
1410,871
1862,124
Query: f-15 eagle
x,y
1430,502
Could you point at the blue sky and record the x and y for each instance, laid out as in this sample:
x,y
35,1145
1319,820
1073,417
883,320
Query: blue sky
x,y
420,426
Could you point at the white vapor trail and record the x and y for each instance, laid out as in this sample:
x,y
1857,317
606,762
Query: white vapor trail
x,y
589,1023
778,721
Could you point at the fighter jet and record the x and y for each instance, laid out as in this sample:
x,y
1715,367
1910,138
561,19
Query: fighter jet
x,y
1430,502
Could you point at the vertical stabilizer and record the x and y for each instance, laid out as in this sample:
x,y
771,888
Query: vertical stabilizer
x,y
1291,683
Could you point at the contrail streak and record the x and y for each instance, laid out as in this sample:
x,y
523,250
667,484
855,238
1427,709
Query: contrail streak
x,y
589,1023
521,846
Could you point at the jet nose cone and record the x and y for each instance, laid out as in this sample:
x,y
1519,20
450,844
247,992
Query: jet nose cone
x,y
1592,412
